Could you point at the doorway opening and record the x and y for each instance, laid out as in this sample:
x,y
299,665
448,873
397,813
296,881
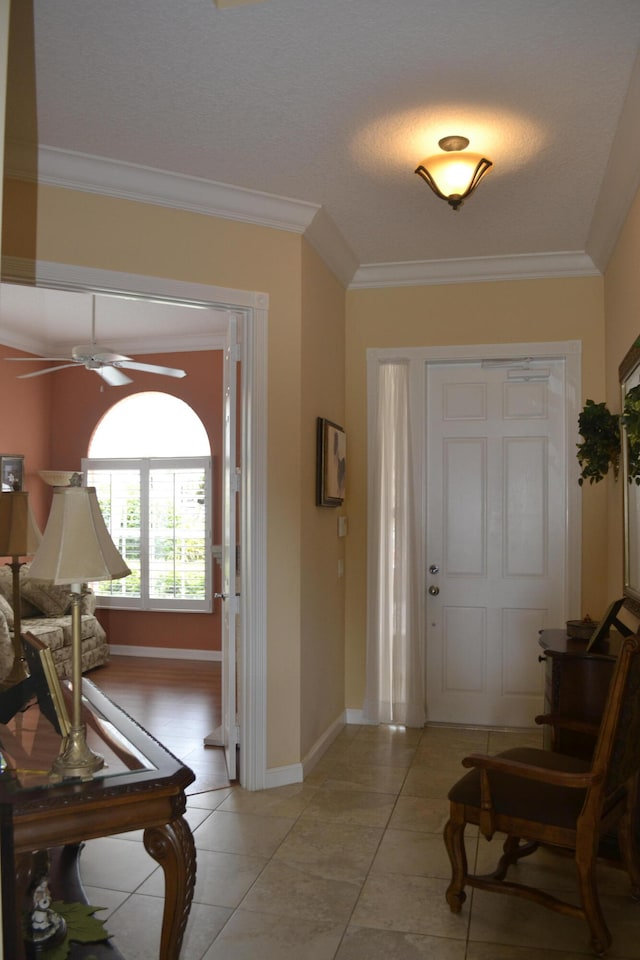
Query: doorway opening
x,y
250,311
496,503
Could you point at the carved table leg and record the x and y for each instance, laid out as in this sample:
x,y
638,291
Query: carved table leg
x,y
173,848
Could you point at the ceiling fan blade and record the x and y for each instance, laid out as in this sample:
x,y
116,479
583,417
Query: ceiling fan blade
x,y
38,373
106,356
35,359
112,376
151,368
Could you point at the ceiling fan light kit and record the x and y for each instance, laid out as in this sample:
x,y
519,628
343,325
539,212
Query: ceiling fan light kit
x,y
107,364
453,174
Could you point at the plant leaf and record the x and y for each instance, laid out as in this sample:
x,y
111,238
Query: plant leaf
x,y
82,927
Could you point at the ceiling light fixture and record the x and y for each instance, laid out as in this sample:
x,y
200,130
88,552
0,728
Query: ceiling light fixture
x,y
452,174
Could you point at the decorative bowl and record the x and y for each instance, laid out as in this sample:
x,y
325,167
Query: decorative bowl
x,y
57,478
581,629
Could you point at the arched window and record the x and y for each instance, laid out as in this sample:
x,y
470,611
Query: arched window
x,y
149,460
150,424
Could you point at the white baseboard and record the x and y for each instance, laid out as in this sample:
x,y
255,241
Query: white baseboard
x,y
296,772
166,653
281,776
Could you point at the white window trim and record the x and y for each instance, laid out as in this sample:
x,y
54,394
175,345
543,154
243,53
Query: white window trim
x,y
145,465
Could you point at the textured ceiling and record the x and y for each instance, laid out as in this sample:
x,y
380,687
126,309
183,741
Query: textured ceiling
x,y
332,104
335,102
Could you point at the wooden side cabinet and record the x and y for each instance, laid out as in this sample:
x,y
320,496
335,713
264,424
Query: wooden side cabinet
x,y
576,686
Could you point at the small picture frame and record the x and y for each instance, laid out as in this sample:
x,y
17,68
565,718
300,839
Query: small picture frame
x,y
331,463
47,685
11,471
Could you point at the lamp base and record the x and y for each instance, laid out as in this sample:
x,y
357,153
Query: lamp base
x,y
75,759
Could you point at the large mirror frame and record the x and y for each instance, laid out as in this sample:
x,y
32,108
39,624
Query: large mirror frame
x,y
629,376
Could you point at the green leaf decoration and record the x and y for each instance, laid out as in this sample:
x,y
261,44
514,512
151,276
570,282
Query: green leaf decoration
x,y
631,420
601,433
600,449
82,927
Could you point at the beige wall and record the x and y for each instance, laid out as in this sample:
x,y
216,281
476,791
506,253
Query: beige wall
x,y
622,309
93,231
322,591
307,368
509,311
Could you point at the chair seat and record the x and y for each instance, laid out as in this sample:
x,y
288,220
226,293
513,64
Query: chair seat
x,y
528,799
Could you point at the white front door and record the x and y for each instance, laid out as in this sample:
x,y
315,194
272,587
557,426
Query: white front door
x,y
496,536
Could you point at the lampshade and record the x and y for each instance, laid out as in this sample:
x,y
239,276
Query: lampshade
x,y
19,534
454,174
76,545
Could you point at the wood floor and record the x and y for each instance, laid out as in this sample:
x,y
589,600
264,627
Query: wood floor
x,y
178,702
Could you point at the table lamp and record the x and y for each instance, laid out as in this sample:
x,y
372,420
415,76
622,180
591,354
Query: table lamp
x,y
76,548
19,537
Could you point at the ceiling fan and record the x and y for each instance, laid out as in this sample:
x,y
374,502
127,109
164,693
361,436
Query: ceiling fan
x,y
105,363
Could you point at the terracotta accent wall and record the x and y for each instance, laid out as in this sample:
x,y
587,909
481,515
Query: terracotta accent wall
x,y
449,314
78,401
25,426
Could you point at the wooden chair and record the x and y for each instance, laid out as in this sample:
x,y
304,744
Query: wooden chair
x,y
541,798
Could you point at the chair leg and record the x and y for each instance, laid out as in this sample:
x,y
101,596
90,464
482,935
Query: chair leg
x,y
513,850
454,842
628,844
600,936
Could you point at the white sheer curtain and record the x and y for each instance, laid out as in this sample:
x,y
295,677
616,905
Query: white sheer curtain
x,y
395,672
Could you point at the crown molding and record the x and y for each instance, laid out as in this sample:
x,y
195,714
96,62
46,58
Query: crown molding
x,y
325,238
129,181
533,266
100,175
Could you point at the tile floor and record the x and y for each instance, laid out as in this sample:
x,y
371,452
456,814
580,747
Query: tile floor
x,y
348,865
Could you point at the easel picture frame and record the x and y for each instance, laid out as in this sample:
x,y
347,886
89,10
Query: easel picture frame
x,y
47,685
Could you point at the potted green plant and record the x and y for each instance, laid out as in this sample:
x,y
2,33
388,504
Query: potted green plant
x,y
600,447
601,439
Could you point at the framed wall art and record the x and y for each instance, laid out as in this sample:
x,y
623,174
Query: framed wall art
x,y
11,471
331,464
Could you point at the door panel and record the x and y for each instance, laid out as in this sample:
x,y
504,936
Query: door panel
x,y
525,510
464,483
496,530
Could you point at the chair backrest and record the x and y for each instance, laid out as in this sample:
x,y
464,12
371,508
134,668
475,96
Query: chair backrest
x,y
617,752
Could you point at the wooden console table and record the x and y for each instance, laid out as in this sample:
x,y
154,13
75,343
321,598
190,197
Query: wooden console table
x,y
142,787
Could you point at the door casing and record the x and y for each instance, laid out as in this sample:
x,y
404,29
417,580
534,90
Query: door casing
x,y
253,310
417,358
